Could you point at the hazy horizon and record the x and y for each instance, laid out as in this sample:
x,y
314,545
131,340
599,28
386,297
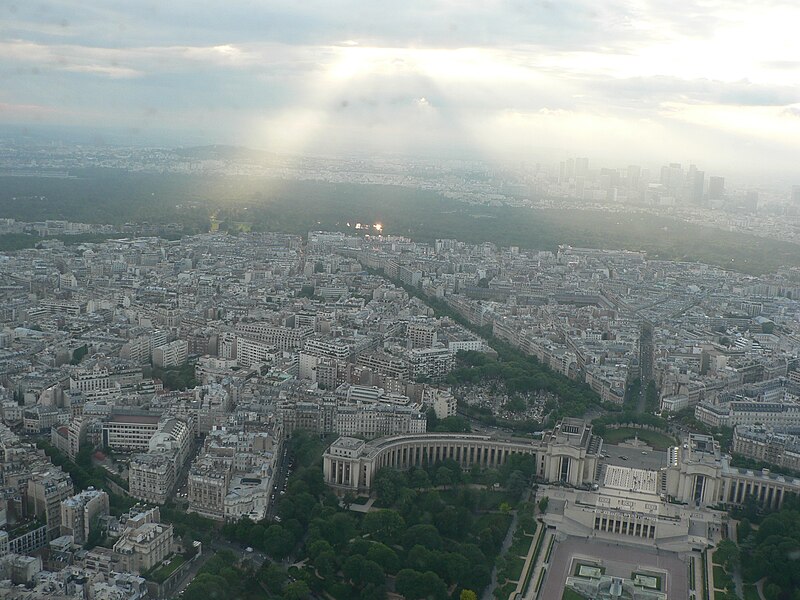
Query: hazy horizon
x,y
713,83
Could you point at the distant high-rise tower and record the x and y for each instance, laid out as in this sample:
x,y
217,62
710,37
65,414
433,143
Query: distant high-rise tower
x,y
694,185
634,176
796,194
672,179
570,171
716,188
581,167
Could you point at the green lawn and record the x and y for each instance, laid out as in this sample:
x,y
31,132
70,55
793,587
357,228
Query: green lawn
x,y
161,574
520,546
571,595
722,580
750,592
513,570
486,499
655,439
503,592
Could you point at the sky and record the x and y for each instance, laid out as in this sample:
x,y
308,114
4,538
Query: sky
x,y
711,82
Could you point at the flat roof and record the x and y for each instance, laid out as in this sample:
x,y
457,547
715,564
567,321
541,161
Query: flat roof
x,y
141,419
627,478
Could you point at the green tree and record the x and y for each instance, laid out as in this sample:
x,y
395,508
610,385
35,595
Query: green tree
x,y
744,530
415,585
296,590
444,477
278,542
543,504
516,483
384,556
384,525
273,577
362,572
772,591
348,500
454,424
418,479
728,554
423,534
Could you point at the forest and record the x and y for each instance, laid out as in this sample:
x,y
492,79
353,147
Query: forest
x,y
262,204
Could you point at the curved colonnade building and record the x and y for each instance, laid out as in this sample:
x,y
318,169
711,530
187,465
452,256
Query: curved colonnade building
x,y
696,473
570,453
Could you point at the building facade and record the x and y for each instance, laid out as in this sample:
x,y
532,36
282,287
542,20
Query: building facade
x,y
569,453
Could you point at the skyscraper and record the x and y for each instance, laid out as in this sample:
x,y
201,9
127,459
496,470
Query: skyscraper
x,y
694,185
716,188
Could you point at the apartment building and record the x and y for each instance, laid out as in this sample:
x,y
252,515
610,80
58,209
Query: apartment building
x,y
130,432
89,381
385,364
328,348
250,352
444,404
374,420
208,485
80,513
45,491
365,420
431,363
39,419
141,548
171,355
151,477
421,335
283,338
766,445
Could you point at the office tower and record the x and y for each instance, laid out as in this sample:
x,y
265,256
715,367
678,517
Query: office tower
x,y
570,168
716,188
672,178
581,167
695,184
634,176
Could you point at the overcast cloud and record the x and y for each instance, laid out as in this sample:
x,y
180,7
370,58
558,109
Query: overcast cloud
x,y
717,83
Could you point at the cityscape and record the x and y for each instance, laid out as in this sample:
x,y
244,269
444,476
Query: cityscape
x,y
427,301
156,390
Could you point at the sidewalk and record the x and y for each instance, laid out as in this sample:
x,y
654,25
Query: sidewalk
x,y
363,508
540,563
710,573
696,587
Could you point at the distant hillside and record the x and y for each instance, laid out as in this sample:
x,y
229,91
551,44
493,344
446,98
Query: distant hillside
x,y
108,196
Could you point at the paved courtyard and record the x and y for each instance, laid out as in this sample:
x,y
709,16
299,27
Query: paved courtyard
x,y
619,560
653,460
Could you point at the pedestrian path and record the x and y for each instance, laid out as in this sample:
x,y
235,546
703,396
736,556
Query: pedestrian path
x,y
541,563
